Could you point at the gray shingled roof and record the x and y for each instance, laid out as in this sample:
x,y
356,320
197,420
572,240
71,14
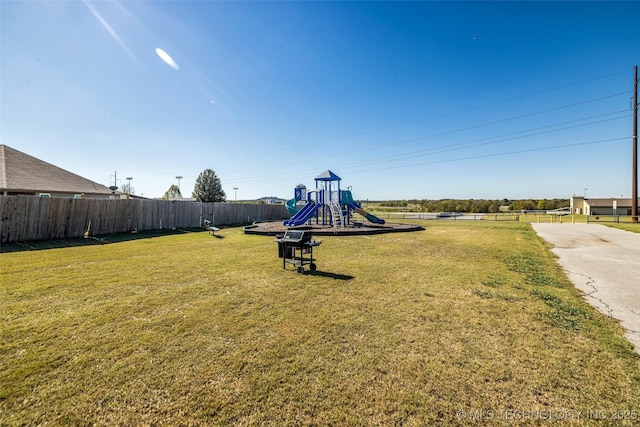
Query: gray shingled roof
x,y
21,172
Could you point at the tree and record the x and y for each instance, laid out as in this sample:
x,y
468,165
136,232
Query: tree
x,y
208,188
172,193
127,188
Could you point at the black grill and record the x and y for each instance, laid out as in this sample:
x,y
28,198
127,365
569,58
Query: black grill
x,y
296,237
293,245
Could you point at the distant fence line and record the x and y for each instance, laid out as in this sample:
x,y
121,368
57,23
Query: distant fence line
x,y
29,218
439,216
525,216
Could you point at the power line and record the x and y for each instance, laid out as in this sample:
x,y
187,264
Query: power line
x,y
528,95
447,148
465,145
464,110
554,147
478,126
459,159
349,166
462,145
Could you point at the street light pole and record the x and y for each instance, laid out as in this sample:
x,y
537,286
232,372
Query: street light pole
x,y
179,177
235,189
129,178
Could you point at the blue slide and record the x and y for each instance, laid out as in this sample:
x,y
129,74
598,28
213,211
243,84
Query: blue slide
x,y
358,208
303,215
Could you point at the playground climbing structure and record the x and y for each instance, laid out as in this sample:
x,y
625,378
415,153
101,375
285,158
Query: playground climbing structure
x,y
327,204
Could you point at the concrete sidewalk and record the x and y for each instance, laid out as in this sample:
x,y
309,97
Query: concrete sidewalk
x,y
604,263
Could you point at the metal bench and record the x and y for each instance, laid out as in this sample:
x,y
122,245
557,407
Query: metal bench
x,y
210,227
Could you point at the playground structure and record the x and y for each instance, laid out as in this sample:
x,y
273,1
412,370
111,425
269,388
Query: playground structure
x,y
328,205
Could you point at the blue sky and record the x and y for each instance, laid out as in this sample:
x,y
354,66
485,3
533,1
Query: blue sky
x,y
401,99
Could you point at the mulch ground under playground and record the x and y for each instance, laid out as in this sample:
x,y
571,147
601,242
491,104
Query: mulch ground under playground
x,y
277,227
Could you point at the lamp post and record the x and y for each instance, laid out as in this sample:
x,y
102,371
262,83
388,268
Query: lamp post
x,y
235,189
585,192
179,177
129,178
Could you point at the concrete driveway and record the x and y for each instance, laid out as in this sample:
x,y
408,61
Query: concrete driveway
x,y
604,263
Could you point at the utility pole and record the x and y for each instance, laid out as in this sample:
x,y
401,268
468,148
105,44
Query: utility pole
x,y
634,167
114,187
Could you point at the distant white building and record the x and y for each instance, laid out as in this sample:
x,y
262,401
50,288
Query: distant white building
x,y
270,201
613,206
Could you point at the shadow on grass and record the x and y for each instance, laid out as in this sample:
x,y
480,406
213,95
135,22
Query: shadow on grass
x,y
98,240
329,275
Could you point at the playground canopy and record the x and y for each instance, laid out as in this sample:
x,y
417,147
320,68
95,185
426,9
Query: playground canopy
x,y
328,176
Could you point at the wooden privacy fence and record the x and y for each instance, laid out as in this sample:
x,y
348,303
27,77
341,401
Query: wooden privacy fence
x,y
28,218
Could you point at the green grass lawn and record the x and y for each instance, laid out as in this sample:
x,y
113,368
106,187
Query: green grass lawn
x,y
634,227
429,327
